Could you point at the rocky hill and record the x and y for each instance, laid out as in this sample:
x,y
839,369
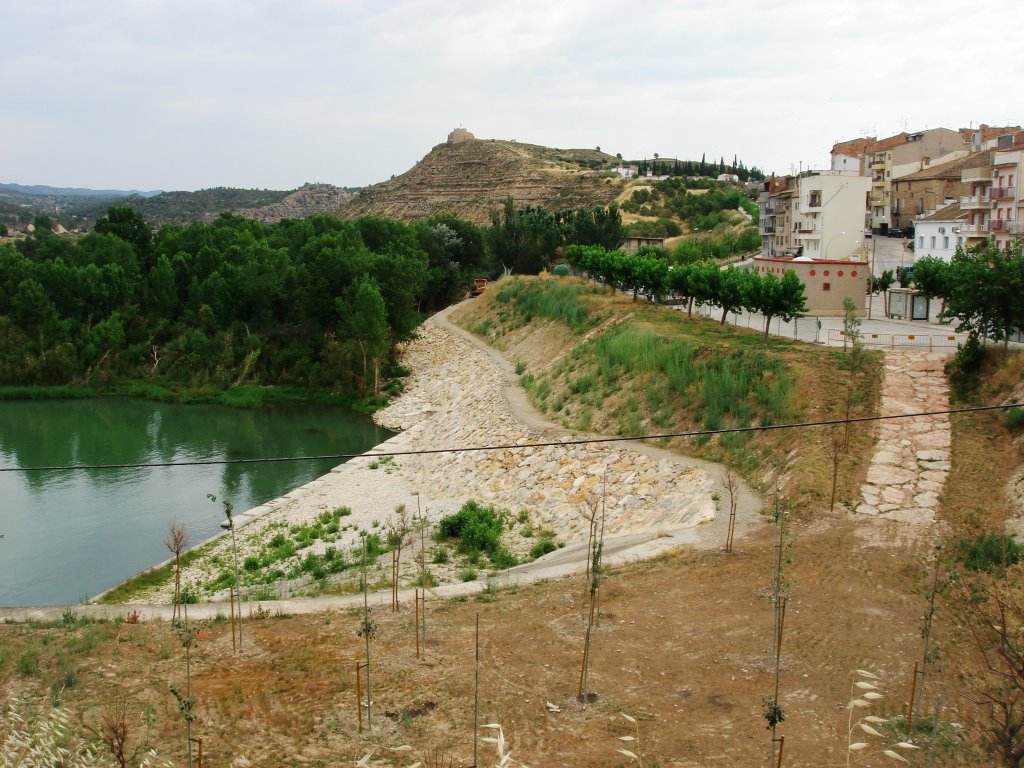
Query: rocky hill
x,y
470,177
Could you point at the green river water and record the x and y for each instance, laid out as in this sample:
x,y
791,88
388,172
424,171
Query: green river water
x,y
68,535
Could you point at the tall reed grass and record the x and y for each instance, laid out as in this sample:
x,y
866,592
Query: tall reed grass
x,y
551,299
718,387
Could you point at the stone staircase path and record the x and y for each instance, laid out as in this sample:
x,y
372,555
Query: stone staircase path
x,y
911,461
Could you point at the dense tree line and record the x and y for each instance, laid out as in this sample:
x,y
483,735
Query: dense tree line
x,y
315,302
524,240
647,271
692,168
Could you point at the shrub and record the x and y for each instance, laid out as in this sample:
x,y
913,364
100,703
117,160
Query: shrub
x,y
440,555
1014,418
987,553
501,558
27,662
477,528
468,574
541,548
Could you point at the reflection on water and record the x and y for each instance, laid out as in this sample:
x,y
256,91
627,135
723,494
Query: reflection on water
x,y
69,535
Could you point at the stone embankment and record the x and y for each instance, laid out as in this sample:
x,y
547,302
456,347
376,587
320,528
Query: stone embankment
x,y
456,398
911,461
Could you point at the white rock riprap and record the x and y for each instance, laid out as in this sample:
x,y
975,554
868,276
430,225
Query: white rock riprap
x,y
911,460
456,398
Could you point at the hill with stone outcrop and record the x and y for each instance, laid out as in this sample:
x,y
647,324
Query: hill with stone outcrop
x,y
470,177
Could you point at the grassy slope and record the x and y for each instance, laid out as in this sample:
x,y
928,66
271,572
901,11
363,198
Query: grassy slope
x,y
615,373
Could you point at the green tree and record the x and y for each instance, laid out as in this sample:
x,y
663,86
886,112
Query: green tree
x,y
730,289
129,225
523,239
773,297
984,286
364,320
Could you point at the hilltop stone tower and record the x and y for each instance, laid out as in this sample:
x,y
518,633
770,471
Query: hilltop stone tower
x,y
459,136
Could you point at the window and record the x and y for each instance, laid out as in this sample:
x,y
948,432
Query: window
x,y
920,241
933,241
945,242
826,286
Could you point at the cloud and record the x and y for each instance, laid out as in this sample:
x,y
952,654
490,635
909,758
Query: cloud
x,y
269,93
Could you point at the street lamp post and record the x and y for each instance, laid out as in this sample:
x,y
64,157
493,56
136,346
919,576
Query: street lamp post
x,y
830,241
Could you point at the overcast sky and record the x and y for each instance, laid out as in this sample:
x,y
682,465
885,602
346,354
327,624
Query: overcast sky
x,y
183,94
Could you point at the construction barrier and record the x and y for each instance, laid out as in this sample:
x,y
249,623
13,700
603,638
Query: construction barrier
x,y
927,341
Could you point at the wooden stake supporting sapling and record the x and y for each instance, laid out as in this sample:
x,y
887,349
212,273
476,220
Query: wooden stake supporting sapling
x,y
177,541
237,586
398,532
593,586
731,484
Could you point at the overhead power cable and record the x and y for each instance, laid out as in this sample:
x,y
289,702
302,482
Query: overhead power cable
x,y
515,446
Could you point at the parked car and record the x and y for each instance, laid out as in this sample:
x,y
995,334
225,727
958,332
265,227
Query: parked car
x,y
896,232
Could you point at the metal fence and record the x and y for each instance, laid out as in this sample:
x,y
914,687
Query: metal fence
x,y
922,341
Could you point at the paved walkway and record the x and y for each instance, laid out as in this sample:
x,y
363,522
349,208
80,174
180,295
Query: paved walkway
x,y
911,461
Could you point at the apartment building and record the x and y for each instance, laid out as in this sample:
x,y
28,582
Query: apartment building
x,y
819,214
932,187
853,155
813,224
902,155
995,194
1006,222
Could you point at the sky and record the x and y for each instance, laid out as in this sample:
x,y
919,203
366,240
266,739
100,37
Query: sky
x,y
271,94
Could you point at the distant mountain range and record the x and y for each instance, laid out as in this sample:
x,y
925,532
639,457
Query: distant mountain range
x,y
43,190
78,209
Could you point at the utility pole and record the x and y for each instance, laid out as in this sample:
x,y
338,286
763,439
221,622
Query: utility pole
x,y
871,277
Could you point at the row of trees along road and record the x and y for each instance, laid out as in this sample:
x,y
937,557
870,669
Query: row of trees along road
x,y
315,302
981,288
704,282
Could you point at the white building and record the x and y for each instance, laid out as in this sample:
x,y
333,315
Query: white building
x,y
938,233
828,215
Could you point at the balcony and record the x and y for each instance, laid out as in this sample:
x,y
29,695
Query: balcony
x,y
973,230
767,230
998,225
976,174
877,162
974,201
1016,229
1001,193
809,234
877,202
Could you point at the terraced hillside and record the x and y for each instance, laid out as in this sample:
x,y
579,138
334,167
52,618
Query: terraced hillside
x,y
471,178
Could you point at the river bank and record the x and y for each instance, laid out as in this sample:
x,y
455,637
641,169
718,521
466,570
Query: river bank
x,y
460,395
